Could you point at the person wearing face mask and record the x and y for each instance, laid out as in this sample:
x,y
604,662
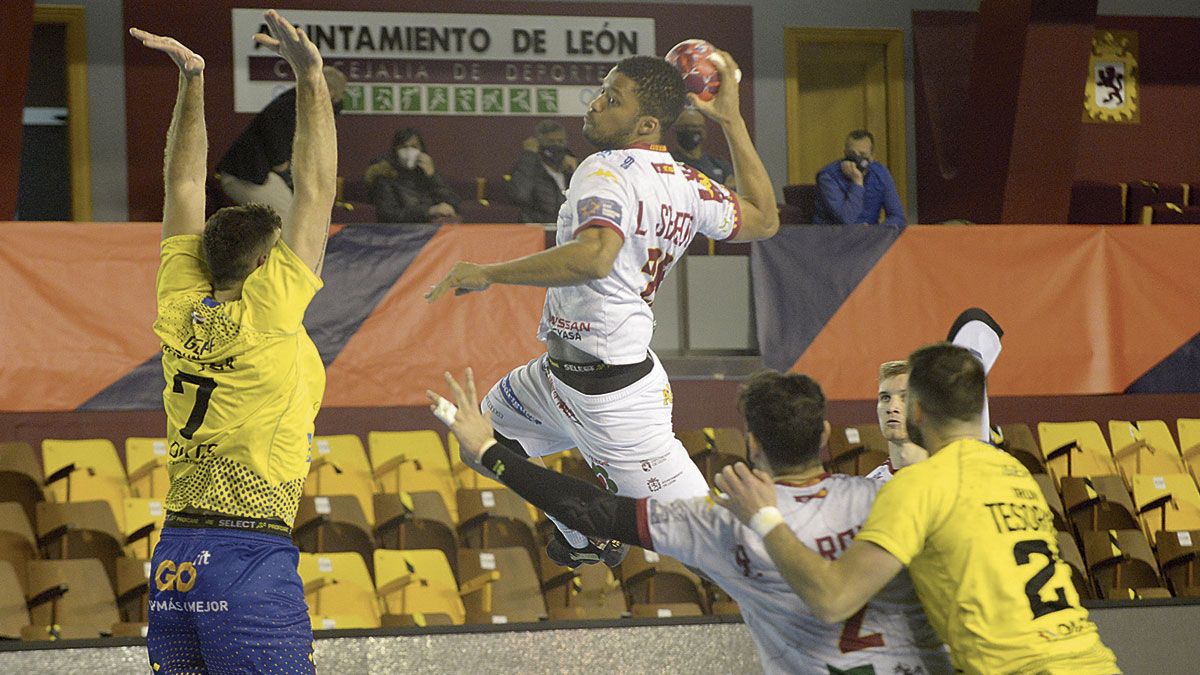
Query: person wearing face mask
x,y
542,173
404,186
854,189
690,134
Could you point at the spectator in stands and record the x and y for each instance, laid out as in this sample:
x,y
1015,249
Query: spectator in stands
x,y
257,168
854,189
690,132
542,173
404,186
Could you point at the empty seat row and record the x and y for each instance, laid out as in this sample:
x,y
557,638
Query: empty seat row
x,y
1142,201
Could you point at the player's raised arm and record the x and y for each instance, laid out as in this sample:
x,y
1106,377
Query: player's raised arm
x,y
760,215
314,150
185,160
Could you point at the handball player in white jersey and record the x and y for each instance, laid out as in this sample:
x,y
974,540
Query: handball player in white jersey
x,y
785,418
630,213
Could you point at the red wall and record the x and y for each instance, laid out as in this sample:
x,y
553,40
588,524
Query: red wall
x,y
17,18
462,147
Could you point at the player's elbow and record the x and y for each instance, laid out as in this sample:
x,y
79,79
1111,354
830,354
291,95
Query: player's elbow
x,y
834,607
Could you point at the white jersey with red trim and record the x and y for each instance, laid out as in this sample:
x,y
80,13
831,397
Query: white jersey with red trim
x,y
657,205
891,632
884,472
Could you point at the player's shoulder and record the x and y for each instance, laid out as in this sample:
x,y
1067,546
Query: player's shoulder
x,y
606,166
832,486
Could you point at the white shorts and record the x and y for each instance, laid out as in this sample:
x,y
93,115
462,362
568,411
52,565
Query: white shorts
x,y
625,435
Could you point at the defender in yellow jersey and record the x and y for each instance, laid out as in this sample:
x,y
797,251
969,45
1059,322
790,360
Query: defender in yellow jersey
x,y
971,526
243,383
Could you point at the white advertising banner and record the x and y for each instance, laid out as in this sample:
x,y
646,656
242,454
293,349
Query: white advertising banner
x,y
446,64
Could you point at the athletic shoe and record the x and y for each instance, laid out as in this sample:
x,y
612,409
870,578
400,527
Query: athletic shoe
x,y
610,552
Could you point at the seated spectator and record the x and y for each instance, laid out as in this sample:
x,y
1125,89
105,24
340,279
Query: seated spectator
x,y
541,174
404,186
690,133
854,189
257,168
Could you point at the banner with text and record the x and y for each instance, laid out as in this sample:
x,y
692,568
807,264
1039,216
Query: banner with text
x,y
446,64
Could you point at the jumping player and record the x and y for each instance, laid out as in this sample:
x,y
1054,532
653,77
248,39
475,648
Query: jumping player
x,y
631,212
243,385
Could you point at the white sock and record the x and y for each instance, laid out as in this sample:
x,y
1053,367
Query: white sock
x,y
573,538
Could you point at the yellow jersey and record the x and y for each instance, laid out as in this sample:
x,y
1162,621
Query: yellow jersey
x,y
243,384
978,539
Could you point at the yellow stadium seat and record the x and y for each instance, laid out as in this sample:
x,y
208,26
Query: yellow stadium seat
x,y
1075,449
1168,502
21,476
17,544
79,530
1120,560
146,464
343,621
465,475
1017,440
1068,552
133,586
1178,555
333,524
415,586
1145,446
495,518
665,610
1189,444
587,592
412,461
338,584
143,525
14,616
85,470
417,520
67,596
340,467
1098,503
650,578
857,450
516,596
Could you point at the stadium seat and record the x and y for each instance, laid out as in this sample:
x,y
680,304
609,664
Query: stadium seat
x,y
68,598
418,520
1169,502
857,450
1118,560
665,610
13,614
1145,446
146,465
1178,555
132,590
417,588
84,470
412,461
17,544
21,476
465,476
1017,440
333,524
1189,444
143,526
495,518
650,578
339,585
515,597
1170,214
1145,193
1068,551
587,592
1075,449
1098,503
340,467
1097,203
1050,492
81,530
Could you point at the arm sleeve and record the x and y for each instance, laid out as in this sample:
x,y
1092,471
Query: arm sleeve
x,y
718,211
892,208
905,512
181,267
694,531
523,178
578,504
600,196
442,192
277,294
845,207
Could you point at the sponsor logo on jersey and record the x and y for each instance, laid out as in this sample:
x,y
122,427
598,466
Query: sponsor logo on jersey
x,y
628,162
654,484
668,397
172,577
606,174
510,398
194,606
646,465
592,208
663,167
819,494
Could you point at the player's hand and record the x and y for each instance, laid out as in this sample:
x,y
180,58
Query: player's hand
x,y
425,163
473,428
293,45
190,63
851,171
746,491
464,277
725,106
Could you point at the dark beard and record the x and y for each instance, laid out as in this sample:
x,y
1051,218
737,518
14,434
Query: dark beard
x,y
914,433
614,141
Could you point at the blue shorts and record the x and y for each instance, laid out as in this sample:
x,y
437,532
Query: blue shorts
x,y
224,601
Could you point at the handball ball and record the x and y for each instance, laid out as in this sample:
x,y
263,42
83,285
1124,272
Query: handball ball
x,y
696,60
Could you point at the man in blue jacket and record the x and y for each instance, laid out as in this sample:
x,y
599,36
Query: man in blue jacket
x,y
854,189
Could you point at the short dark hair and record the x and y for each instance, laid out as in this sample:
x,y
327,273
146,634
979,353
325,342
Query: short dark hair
x,y
548,127
660,90
859,134
402,135
948,382
786,413
233,239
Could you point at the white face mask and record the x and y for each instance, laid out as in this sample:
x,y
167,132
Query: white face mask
x,y
408,156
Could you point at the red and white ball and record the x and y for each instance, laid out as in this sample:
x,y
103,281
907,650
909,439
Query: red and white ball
x,y
697,60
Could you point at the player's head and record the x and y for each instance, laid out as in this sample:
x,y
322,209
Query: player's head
x,y
236,242
336,82
945,391
889,406
640,99
407,137
785,418
860,143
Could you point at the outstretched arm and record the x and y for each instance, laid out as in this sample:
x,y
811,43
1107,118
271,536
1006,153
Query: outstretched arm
x,y
760,215
314,150
833,589
185,160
